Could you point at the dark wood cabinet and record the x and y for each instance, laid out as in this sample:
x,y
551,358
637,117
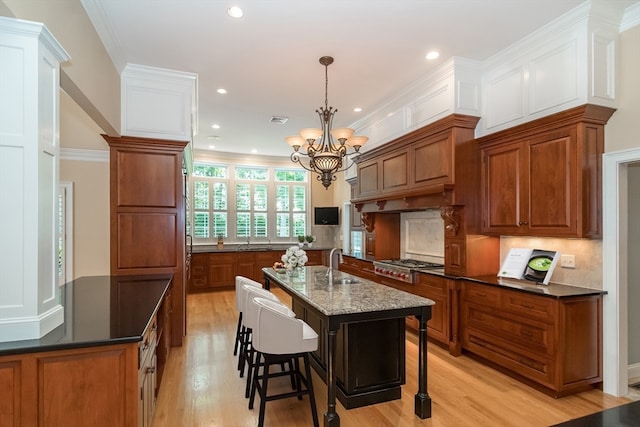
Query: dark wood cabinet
x,y
554,344
367,372
148,215
544,178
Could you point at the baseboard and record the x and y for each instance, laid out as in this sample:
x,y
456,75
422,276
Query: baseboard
x,y
633,373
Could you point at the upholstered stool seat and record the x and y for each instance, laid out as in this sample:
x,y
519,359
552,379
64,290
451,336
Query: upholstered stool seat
x,y
279,337
249,322
241,281
244,294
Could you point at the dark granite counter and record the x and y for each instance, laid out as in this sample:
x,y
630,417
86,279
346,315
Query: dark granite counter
x,y
100,310
551,290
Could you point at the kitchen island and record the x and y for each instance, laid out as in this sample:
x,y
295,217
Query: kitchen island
x,y
101,367
362,313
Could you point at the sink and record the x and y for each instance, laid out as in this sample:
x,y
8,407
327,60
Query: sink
x,y
344,280
338,279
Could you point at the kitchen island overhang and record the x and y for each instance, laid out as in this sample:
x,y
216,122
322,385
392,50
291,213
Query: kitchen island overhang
x,y
353,315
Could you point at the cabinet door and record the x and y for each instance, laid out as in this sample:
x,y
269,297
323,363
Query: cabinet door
x,y
247,265
368,178
432,162
198,279
221,270
552,184
370,246
395,171
503,180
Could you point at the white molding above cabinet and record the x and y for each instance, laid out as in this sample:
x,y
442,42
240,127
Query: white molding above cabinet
x,y
158,103
570,62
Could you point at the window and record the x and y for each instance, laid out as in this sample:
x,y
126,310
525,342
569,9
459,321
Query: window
x,y
248,203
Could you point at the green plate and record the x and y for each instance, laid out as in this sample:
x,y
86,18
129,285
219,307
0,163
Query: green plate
x,y
540,263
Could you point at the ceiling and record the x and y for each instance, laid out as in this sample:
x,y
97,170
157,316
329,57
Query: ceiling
x,y
268,59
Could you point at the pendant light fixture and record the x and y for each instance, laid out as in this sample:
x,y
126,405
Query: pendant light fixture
x,y
323,150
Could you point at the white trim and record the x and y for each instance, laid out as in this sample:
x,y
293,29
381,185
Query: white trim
x,y
631,17
84,155
68,229
614,270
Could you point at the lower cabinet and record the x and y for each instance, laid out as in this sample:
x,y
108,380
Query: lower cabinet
x,y
217,270
104,386
96,386
553,344
147,374
370,356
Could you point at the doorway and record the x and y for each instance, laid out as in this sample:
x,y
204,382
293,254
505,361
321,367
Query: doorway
x,y
615,268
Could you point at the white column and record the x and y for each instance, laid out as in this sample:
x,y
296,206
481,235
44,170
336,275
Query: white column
x,y
29,175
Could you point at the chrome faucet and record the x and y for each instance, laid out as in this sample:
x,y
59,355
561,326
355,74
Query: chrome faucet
x,y
331,257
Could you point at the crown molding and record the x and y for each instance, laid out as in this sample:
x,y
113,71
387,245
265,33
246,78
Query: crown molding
x,y
84,155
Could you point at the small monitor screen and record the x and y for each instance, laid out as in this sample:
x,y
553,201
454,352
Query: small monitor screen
x,y
326,216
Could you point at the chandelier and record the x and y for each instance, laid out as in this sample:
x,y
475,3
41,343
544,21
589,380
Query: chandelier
x,y
323,151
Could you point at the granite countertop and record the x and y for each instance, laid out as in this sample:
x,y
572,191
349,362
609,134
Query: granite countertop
x,y
100,310
360,296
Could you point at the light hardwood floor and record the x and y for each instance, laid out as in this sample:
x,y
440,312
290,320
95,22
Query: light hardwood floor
x,y
201,386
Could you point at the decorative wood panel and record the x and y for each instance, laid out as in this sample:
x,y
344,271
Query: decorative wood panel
x,y
395,171
11,390
368,178
147,179
432,161
144,240
83,389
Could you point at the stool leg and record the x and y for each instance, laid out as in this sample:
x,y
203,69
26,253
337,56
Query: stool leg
x,y
243,356
312,397
237,342
263,391
254,380
251,368
298,372
243,338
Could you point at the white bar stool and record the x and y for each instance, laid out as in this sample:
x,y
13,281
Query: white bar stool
x,y
245,293
241,281
278,337
250,322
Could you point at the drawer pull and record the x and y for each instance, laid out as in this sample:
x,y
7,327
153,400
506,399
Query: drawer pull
x,y
528,306
526,333
480,294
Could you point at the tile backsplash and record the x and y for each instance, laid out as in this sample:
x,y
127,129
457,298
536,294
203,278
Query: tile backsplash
x,y
422,235
588,253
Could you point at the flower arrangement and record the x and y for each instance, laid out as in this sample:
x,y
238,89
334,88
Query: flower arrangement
x,y
294,257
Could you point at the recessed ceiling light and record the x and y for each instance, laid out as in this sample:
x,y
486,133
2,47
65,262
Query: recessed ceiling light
x,y
433,55
235,12
357,109
254,151
212,147
215,126
222,91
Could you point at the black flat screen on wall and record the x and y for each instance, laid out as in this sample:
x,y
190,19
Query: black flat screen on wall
x,y
326,216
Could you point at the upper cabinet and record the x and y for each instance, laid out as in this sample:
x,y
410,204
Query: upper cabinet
x,y
543,178
420,169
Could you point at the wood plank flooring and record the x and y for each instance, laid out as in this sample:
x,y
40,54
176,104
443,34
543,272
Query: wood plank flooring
x,y
201,386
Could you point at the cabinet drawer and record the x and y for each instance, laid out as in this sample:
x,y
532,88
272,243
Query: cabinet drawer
x,y
529,335
148,343
529,365
533,307
431,284
481,294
